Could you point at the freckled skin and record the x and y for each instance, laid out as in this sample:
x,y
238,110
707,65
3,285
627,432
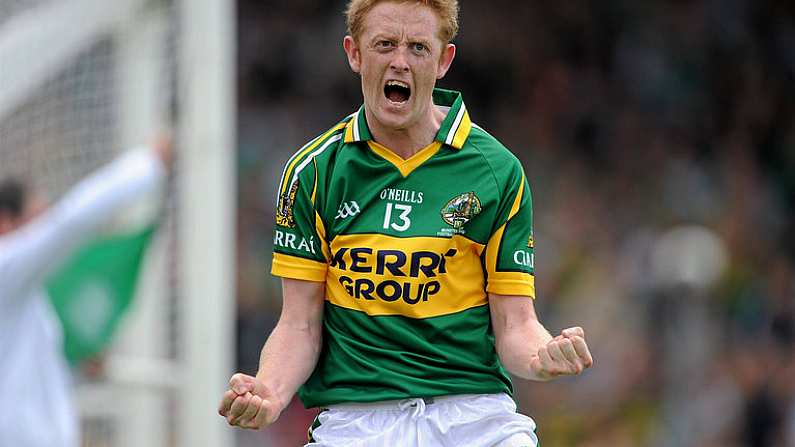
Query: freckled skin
x,y
400,42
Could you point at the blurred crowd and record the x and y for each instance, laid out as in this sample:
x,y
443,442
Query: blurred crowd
x,y
659,141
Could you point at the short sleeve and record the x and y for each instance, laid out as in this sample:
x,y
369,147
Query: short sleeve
x,y
299,248
509,257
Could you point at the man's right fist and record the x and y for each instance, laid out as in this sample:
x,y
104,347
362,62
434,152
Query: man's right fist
x,y
249,403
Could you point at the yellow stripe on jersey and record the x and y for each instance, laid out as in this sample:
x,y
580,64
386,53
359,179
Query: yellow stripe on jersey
x,y
321,232
288,173
410,164
348,138
512,283
352,131
507,283
517,201
298,268
418,277
314,187
493,246
463,131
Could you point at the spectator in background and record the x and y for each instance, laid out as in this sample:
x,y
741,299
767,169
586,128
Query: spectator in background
x,y
36,408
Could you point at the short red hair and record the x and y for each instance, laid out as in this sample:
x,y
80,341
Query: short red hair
x,y
447,10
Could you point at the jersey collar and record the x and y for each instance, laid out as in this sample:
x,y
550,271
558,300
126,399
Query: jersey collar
x,y
453,132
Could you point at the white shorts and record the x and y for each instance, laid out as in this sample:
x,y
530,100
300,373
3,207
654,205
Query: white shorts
x,y
472,420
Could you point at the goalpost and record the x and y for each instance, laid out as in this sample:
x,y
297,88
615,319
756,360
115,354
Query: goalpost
x,y
81,80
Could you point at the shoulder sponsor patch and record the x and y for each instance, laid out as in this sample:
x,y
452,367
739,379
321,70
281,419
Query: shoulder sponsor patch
x,y
284,209
286,239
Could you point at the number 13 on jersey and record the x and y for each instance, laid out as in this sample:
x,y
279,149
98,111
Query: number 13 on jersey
x,y
405,221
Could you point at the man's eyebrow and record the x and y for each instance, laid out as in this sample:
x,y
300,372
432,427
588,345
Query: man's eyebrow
x,y
416,39
391,37
383,36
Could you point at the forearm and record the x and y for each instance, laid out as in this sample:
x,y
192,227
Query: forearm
x,y
519,344
289,357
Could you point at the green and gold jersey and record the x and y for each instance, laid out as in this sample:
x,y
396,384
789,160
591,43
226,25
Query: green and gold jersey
x,y
408,250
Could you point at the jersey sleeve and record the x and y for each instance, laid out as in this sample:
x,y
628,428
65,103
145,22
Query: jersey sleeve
x,y
509,257
299,247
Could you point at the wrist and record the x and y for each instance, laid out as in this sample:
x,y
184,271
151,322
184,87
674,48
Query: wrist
x,y
274,391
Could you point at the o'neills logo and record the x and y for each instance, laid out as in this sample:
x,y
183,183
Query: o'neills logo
x,y
284,209
461,209
395,264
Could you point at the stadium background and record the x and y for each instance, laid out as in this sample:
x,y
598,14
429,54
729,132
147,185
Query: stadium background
x,y
658,137
659,140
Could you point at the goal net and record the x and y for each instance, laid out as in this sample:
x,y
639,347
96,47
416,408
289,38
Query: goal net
x,y
82,80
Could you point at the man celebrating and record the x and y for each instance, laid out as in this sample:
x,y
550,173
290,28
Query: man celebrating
x,y
404,240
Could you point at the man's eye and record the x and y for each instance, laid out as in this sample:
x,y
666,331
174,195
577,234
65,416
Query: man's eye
x,y
419,47
383,44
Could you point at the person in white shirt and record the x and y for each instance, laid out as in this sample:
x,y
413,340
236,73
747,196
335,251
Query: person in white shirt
x,y
36,408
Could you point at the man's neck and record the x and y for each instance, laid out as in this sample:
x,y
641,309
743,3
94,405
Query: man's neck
x,y
407,142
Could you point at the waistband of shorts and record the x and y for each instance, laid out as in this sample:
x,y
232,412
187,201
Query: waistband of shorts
x,y
400,404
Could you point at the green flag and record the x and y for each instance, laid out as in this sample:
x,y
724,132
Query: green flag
x,y
94,289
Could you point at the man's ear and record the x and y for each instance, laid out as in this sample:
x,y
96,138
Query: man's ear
x,y
448,54
353,53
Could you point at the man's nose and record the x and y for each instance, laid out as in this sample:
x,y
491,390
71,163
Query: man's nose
x,y
399,60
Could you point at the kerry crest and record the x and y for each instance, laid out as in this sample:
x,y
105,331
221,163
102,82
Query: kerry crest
x,y
461,209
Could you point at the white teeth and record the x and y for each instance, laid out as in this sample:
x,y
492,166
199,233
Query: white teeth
x,y
397,84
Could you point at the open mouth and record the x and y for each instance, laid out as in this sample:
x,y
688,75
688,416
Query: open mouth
x,y
397,92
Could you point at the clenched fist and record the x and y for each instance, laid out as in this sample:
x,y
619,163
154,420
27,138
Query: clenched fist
x,y
566,354
249,403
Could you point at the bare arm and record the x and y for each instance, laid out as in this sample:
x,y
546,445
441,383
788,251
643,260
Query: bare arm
x,y
286,362
527,349
291,352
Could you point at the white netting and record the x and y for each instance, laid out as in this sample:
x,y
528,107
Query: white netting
x,y
68,127
81,80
